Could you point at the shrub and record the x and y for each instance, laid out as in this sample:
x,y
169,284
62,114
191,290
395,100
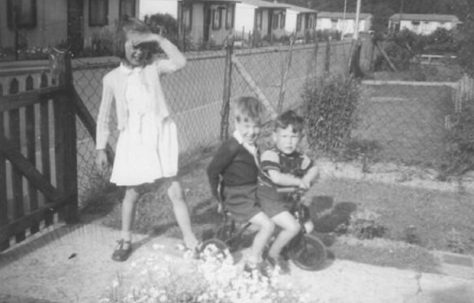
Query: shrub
x,y
364,224
460,153
329,111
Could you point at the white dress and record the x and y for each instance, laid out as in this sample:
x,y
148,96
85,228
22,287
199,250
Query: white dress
x,y
147,148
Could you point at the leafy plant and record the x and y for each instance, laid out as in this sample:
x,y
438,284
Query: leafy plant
x,y
364,224
460,153
329,111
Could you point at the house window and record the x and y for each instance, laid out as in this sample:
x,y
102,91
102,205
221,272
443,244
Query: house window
x,y
311,21
282,19
98,11
334,24
275,20
299,20
187,16
21,13
216,14
258,19
229,17
127,8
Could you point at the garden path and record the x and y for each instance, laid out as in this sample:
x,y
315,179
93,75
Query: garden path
x,y
72,264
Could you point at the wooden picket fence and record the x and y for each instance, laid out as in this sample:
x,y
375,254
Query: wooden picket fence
x,y
38,166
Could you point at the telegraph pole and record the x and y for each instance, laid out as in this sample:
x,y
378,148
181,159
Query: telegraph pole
x,y
356,30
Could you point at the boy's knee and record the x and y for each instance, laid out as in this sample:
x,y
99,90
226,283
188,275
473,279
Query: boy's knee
x,y
269,226
294,229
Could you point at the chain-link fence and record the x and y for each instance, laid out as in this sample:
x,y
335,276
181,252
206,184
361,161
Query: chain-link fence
x,y
406,121
195,93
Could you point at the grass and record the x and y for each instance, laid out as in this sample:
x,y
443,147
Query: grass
x,y
432,215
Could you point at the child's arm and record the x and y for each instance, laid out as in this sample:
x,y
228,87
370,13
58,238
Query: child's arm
x,y
270,164
312,172
221,160
102,129
175,61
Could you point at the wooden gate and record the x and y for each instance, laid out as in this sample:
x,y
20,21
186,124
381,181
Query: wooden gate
x,y
38,164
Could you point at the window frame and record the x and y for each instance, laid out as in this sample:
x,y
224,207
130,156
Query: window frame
x,y
259,19
106,12
282,19
275,20
187,10
134,8
229,10
299,22
22,24
216,24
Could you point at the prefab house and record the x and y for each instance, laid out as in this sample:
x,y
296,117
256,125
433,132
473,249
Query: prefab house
x,y
260,19
78,23
343,22
206,21
422,24
300,20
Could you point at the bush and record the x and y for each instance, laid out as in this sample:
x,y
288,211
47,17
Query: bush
x,y
329,111
364,225
460,153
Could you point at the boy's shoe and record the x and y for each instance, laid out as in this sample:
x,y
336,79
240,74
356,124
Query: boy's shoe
x,y
120,253
281,263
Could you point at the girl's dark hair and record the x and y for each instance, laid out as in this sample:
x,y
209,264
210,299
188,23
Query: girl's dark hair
x,y
125,26
290,118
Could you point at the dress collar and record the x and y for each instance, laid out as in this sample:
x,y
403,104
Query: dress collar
x,y
127,70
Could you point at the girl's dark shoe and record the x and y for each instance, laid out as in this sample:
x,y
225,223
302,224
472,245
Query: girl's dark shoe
x,y
122,251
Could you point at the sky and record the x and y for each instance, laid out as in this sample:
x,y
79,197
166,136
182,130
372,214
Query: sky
x,y
150,7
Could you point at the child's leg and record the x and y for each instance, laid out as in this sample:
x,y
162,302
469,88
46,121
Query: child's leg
x,y
128,212
265,231
290,228
182,214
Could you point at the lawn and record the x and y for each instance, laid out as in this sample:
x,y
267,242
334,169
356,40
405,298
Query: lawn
x,y
429,219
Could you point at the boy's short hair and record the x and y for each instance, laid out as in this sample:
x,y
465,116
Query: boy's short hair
x,y
289,118
248,108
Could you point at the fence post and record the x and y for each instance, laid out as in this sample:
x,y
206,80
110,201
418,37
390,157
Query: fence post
x,y
284,76
327,58
353,66
227,89
65,136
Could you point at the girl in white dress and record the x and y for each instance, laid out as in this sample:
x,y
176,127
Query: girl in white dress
x,y
147,147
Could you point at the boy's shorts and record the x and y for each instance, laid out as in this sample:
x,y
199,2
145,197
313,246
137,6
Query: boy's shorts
x,y
241,201
271,202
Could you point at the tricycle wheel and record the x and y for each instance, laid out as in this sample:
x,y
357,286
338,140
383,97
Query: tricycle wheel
x,y
309,253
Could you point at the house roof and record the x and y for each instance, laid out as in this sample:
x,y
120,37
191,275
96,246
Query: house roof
x,y
220,1
341,15
300,9
425,17
265,4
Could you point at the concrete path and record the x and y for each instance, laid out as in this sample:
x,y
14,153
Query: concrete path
x,y
72,264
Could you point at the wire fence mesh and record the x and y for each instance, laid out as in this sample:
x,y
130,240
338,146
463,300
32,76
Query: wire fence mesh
x,y
407,122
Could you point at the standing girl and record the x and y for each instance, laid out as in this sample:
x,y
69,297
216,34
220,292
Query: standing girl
x,y
147,147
